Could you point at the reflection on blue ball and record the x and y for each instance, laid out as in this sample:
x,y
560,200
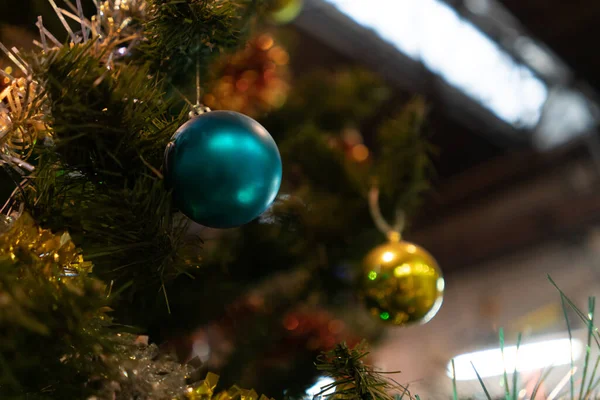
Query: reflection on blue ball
x,y
224,169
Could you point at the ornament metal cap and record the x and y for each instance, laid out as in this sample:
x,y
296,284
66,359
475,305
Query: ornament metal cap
x,y
394,236
198,109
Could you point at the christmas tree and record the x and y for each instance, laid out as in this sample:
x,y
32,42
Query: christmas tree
x,y
112,284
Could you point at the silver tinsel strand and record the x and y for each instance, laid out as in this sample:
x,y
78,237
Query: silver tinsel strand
x,y
143,372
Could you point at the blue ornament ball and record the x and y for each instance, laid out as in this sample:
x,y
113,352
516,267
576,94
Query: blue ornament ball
x,y
224,169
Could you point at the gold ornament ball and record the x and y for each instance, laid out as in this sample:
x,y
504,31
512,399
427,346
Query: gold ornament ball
x,y
402,283
284,11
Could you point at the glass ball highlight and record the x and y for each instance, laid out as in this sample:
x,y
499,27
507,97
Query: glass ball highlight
x,y
224,169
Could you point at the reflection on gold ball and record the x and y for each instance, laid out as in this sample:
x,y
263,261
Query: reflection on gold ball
x,y
284,11
402,283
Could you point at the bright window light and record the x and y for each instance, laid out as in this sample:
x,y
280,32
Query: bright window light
x,y
538,58
432,32
530,357
317,387
568,115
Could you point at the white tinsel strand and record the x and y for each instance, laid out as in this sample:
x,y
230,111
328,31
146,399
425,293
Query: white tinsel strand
x,y
145,373
111,28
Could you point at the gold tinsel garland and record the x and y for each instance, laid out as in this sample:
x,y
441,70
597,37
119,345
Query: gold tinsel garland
x,y
22,118
23,241
206,388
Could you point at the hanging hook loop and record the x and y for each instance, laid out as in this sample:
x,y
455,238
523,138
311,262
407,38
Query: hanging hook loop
x,y
392,232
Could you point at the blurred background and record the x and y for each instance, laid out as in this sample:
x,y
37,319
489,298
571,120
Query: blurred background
x,y
512,88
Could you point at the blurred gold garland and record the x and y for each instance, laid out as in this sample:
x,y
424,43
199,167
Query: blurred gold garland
x,y
351,142
254,80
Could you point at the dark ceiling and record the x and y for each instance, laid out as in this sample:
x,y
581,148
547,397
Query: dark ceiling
x,y
570,28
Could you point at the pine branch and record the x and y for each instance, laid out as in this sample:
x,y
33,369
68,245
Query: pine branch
x,y
105,121
329,102
404,166
353,379
101,179
128,231
180,34
311,154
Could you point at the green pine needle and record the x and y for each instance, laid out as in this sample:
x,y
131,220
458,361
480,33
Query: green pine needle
x,y
515,374
454,391
592,388
352,378
539,383
487,394
580,314
506,387
182,33
401,396
592,378
572,379
588,349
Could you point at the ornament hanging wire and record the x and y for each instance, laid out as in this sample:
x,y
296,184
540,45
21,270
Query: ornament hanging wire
x,y
392,232
198,108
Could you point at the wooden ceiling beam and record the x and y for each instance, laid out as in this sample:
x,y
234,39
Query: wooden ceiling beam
x,y
559,203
